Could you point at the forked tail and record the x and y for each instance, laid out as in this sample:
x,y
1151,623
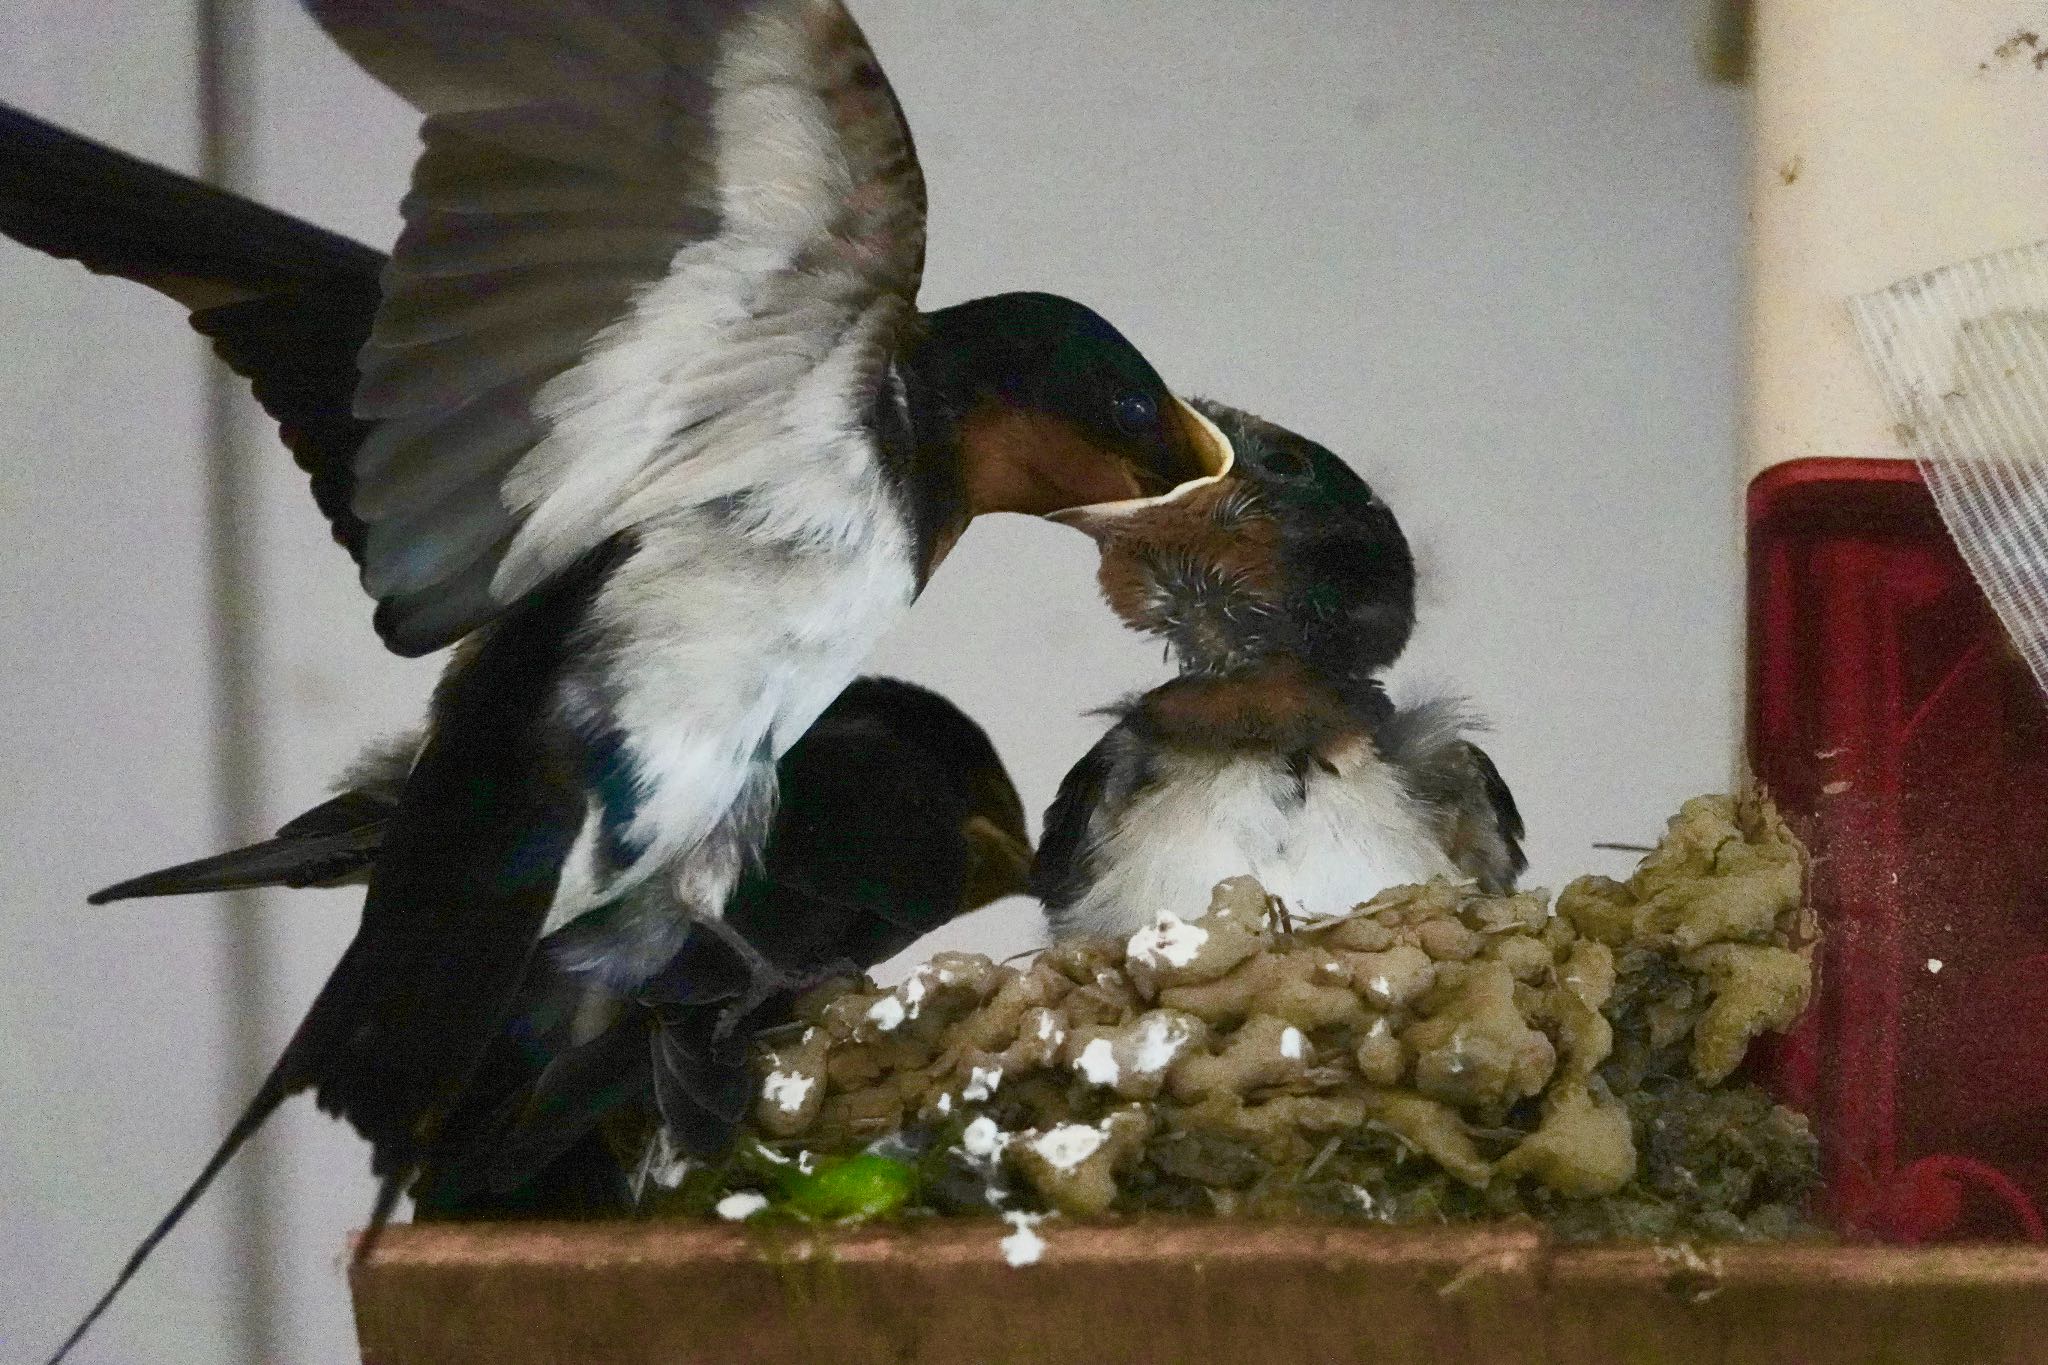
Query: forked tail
x,y
276,1088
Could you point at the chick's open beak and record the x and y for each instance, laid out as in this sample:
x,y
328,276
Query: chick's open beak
x,y
1213,454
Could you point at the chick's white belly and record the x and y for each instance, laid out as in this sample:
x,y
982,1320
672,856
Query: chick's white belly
x,y
1344,839
730,644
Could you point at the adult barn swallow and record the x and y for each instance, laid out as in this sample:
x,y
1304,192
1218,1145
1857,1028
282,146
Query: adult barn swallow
x,y
896,816
1282,591
641,414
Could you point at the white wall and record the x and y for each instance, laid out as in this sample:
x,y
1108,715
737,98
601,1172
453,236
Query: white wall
x,y
112,1028
1486,251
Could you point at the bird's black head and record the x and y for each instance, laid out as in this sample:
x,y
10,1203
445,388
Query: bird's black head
x,y
911,744
1345,570
1051,408
1289,554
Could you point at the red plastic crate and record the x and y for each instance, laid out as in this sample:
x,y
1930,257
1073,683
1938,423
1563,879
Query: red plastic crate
x,y
1908,745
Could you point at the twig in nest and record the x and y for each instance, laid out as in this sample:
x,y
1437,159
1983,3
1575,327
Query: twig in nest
x,y
1329,1150
1278,918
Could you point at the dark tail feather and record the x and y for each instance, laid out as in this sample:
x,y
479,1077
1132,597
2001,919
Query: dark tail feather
x,y
388,1194
701,1081
276,1088
118,215
568,1100
306,1057
274,862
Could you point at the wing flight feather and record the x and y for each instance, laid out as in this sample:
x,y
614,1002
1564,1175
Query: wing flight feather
x,y
648,248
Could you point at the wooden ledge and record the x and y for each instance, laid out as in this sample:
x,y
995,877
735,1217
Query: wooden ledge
x,y
1171,1290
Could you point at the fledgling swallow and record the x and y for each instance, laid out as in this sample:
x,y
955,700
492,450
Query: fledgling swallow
x,y
641,415
1282,591
897,815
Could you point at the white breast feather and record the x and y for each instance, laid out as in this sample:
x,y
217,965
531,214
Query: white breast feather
x,y
744,373
1206,819
735,636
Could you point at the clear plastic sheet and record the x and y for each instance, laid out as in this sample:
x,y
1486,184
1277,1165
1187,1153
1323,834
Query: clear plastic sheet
x,y
1962,355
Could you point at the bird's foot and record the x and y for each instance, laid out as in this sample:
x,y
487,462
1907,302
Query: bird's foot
x,y
767,982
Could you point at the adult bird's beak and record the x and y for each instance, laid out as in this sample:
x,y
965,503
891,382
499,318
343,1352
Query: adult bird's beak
x,y
1213,454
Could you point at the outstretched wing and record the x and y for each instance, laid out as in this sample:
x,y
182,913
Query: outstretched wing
x,y
287,305
645,244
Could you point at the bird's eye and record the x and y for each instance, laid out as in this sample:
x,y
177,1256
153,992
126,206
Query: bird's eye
x,y
1287,464
1135,411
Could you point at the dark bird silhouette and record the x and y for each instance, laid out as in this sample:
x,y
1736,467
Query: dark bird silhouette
x,y
1282,591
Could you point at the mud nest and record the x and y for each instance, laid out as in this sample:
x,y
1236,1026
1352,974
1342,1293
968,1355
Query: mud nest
x,y
1435,1055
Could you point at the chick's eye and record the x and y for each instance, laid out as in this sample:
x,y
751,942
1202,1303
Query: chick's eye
x,y
1135,411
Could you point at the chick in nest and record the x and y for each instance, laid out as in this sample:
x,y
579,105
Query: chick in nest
x,y
1282,590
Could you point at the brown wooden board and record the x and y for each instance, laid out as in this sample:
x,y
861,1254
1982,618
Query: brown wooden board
x,y
1163,1290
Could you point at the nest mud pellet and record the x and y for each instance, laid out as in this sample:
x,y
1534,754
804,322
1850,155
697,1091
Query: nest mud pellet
x,y
1436,1054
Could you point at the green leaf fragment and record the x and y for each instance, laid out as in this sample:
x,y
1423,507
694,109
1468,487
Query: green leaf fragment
x,y
851,1187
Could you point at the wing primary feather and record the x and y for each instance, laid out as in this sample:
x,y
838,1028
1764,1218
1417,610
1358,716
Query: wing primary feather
x,y
286,304
581,137
445,57
407,554
297,347
373,781
415,625
119,215
1501,799
543,239
414,380
335,840
461,175
1061,871
439,307
300,861
414,461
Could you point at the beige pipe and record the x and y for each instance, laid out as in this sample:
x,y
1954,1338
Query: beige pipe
x,y
1892,137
